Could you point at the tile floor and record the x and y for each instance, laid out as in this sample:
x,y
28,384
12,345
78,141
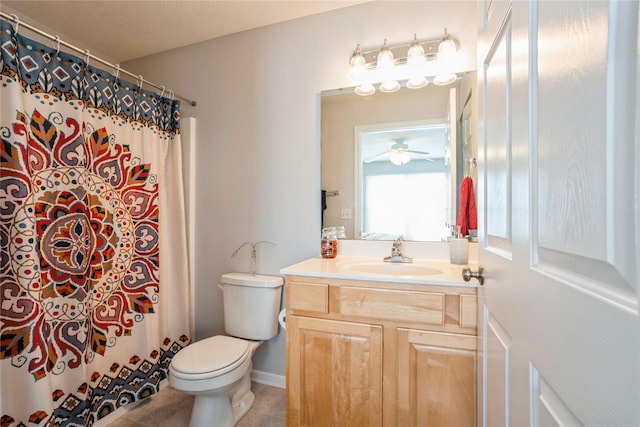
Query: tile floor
x,y
170,408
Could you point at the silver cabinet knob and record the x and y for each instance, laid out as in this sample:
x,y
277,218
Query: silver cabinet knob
x,y
467,274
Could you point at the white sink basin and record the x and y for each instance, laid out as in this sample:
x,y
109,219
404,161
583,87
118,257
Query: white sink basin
x,y
394,269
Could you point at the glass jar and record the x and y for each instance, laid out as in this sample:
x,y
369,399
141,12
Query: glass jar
x,y
329,243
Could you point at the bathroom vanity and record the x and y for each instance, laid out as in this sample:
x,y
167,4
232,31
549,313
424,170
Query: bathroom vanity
x,y
378,344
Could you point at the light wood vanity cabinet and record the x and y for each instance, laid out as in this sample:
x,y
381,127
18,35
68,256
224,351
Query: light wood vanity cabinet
x,y
371,354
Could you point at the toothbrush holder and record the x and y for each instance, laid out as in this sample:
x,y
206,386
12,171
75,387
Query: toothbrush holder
x,y
459,251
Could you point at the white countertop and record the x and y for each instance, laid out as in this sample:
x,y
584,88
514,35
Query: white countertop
x,y
351,267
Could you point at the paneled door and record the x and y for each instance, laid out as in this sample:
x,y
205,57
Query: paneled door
x,y
559,197
436,378
334,374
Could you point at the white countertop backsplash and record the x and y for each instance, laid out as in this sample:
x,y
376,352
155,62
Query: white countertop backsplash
x,y
382,248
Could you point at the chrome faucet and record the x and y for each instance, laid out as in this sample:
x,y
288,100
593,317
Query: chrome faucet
x,y
396,252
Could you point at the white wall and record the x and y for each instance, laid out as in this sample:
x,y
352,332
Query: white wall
x,y
258,132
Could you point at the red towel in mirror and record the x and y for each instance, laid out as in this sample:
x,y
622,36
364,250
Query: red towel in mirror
x,y
468,215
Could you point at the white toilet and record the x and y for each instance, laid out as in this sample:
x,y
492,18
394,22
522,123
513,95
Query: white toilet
x,y
217,369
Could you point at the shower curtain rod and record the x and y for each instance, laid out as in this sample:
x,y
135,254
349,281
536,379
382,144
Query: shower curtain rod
x,y
88,54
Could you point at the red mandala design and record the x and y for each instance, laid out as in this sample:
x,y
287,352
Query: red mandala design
x,y
79,238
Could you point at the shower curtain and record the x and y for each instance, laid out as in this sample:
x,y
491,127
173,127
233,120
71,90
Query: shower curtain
x,y
94,291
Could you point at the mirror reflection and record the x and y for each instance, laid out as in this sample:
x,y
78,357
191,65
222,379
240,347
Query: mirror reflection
x,y
392,163
401,175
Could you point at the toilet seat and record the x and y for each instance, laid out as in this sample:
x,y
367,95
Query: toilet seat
x,y
210,358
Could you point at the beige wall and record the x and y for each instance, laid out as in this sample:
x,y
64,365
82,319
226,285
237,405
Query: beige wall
x,y
258,132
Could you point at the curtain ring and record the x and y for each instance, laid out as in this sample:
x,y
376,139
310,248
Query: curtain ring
x,y
140,82
17,19
57,44
86,56
162,93
117,68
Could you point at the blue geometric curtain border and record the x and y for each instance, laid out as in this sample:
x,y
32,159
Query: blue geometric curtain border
x,y
41,69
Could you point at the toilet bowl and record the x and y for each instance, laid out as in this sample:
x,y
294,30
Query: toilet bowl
x,y
217,371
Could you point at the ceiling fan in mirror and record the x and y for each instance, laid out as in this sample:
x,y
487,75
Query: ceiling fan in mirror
x,y
399,154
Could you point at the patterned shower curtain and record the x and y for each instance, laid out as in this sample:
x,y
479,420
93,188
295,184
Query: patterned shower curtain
x,y
94,291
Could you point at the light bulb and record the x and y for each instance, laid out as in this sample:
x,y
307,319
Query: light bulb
x,y
416,64
446,57
389,86
385,67
415,55
399,157
385,57
358,63
365,89
417,82
357,71
447,48
444,79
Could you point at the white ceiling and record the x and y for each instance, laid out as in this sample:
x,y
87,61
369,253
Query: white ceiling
x,y
125,30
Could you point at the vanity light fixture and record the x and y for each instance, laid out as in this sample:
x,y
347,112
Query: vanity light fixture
x,y
428,61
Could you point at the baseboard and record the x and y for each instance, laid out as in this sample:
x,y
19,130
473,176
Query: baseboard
x,y
267,378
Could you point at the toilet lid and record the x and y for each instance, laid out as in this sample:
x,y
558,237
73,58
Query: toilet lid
x,y
210,355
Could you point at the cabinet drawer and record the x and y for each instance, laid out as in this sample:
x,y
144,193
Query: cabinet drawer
x,y
308,297
403,306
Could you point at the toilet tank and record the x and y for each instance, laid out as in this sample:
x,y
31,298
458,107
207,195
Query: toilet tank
x,y
251,305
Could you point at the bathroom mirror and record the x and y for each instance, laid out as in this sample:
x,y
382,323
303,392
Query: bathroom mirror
x,y
392,163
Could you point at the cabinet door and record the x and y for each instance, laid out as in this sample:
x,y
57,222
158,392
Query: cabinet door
x,y
436,379
334,373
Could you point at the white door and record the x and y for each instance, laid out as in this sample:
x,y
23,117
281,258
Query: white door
x,y
559,206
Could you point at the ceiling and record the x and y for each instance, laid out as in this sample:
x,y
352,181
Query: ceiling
x,y
126,30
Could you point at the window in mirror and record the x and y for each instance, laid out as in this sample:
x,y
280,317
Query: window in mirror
x,y
402,171
410,205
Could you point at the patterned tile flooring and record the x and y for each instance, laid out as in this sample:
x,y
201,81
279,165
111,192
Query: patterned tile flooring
x,y
170,408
